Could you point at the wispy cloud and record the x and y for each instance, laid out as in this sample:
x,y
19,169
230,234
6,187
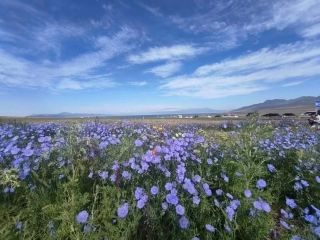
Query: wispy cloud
x,y
249,73
138,83
227,24
78,73
165,70
291,84
172,53
312,31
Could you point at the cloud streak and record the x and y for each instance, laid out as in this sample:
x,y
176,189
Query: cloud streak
x,y
175,52
249,73
78,73
165,70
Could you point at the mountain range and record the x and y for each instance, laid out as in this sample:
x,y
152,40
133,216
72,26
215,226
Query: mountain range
x,y
296,106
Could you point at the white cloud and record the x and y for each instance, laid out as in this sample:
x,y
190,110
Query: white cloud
x,y
249,73
165,70
312,31
78,73
225,25
174,52
138,84
291,84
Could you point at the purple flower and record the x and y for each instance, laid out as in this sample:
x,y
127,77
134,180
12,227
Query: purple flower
x,y
229,195
207,189
316,231
286,214
123,210
304,183
210,228
291,203
154,190
103,175
28,152
262,205
196,200
261,184
219,192
318,179
271,168
19,226
310,218
180,209
297,186
142,202
172,199
184,222
209,161
197,178
126,175
168,186
230,213
295,237
225,177
82,217
285,225
247,193
164,206
189,186
138,193
234,204
138,143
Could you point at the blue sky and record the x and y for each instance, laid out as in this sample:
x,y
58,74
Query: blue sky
x,y
125,57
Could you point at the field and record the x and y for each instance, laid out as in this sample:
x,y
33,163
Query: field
x,y
159,179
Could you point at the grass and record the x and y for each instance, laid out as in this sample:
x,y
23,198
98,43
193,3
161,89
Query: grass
x,y
58,186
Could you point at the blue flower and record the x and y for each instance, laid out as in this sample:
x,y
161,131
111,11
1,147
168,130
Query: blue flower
x,y
154,190
138,193
196,200
138,143
172,199
310,218
262,205
82,217
19,226
180,209
296,237
230,213
271,168
123,210
291,203
210,228
247,193
261,184
219,192
184,222
164,206
285,225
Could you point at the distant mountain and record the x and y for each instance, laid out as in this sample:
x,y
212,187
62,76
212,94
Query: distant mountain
x,y
160,113
297,106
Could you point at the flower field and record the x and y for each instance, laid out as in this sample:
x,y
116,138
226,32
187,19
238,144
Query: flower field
x,y
95,180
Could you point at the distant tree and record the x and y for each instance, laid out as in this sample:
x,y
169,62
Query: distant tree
x,y
253,114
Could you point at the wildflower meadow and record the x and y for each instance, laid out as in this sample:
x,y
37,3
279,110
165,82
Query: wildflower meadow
x,y
125,180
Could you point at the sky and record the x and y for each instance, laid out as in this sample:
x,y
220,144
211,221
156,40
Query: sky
x,y
136,57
